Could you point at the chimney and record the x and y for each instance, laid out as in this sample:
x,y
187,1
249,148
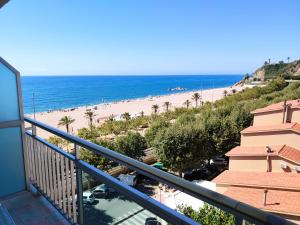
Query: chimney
x,y
265,197
269,150
284,109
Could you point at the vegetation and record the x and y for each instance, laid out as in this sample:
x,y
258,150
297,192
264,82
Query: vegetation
x,y
208,215
90,116
66,121
155,109
196,97
133,145
167,105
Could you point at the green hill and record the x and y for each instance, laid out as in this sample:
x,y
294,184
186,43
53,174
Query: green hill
x,y
287,70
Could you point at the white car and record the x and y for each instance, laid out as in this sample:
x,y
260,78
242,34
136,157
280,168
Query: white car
x,y
88,197
128,179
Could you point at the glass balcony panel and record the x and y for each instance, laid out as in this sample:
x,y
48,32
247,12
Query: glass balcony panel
x,y
12,167
9,109
104,205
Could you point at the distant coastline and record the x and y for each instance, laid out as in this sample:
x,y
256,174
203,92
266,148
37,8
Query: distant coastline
x,y
66,92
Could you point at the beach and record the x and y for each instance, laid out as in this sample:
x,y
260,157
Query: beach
x,y
134,107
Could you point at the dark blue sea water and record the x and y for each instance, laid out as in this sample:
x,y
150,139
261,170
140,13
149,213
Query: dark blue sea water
x,y
57,92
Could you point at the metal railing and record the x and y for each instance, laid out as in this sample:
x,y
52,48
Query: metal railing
x,y
58,175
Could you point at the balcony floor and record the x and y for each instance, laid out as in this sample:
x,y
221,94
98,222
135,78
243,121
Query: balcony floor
x,y
27,209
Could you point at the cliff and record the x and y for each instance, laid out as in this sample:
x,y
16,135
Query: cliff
x,y
287,70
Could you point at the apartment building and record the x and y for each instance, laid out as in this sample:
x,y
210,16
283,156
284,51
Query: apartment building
x,y
264,171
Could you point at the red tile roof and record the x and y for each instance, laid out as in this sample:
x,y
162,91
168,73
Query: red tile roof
x,y
284,151
273,180
276,201
295,127
278,106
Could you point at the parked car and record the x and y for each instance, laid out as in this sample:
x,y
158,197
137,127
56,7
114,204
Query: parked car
x,y
197,174
128,179
88,197
103,191
219,161
152,221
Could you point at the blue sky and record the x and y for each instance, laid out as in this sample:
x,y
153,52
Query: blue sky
x,y
103,37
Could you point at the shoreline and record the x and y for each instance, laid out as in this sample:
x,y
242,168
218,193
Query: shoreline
x,y
133,106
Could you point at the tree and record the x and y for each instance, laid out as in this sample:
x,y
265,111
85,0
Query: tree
x,y
167,105
288,59
66,121
154,129
126,116
59,142
181,146
90,116
111,118
196,97
187,104
233,91
155,109
208,215
225,92
133,145
142,113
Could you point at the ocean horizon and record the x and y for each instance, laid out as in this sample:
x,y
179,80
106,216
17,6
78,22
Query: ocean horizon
x,y
60,92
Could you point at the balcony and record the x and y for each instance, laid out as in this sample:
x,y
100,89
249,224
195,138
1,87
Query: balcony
x,y
43,184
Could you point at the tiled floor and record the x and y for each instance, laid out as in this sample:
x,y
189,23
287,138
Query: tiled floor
x,y
27,209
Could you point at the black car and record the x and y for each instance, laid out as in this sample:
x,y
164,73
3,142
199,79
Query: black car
x,y
152,221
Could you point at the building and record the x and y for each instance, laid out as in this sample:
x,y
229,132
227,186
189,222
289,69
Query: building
x,y
264,171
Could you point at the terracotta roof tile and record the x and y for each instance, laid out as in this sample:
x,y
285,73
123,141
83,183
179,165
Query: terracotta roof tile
x,y
277,200
283,151
279,127
278,106
260,179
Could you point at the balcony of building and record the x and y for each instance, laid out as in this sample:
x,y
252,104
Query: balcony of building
x,y
43,184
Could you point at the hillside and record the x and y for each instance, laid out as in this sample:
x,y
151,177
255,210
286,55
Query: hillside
x,y
287,70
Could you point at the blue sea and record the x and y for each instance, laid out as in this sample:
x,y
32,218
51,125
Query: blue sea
x,y
58,92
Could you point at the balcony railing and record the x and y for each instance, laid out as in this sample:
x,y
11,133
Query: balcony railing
x,y
58,175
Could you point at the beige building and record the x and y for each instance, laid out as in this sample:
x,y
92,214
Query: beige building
x,y
264,171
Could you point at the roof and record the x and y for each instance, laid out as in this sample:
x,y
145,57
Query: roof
x,y
283,151
294,104
295,127
273,180
276,200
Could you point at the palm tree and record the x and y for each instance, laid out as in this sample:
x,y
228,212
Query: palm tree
x,y
111,118
196,97
126,116
225,93
155,108
90,116
288,59
187,104
142,113
66,121
233,91
167,105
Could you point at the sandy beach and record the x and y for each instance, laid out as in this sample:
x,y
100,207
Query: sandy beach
x,y
135,106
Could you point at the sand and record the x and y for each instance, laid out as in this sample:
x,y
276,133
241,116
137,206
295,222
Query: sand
x,y
134,106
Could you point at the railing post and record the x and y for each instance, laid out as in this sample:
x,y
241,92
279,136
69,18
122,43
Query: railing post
x,y
79,187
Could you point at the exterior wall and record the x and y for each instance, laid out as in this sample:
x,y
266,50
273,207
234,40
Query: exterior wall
x,y
271,138
268,118
259,164
249,163
294,116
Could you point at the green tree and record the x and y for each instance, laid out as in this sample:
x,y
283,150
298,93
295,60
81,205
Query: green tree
x,y
132,144
126,116
196,97
225,92
59,142
155,109
187,104
66,121
233,91
167,105
180,146
208,215
90,115
154,129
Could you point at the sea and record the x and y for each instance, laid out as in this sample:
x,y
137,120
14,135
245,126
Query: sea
x,y
46,93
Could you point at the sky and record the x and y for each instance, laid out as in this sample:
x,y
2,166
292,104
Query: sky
x,y
147,37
